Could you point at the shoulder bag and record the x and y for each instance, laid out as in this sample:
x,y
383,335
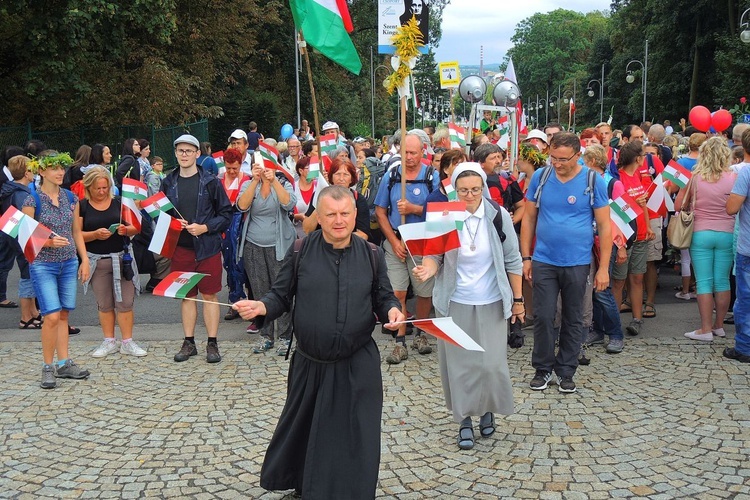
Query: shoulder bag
x,y
680,229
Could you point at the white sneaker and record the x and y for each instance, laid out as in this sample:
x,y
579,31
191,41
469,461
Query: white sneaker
x,y
705,337
685,296
108,347
132,349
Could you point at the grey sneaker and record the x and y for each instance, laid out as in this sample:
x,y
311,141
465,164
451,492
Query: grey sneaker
x,y
283,347
541,380
421,344
634,328
566,385
71,370
615,346
48,377
188,349
399,354
262,346
594,338
212,353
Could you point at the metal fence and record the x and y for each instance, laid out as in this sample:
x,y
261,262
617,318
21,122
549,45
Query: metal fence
x,y
161,139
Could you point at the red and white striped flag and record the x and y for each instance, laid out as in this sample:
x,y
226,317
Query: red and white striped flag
x,y
130,213
178,284
433,239
166,234
441,212
446,329
659,200
32,236
10,222
133,189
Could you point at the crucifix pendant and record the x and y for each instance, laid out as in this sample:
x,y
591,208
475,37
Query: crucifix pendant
x,y
472,247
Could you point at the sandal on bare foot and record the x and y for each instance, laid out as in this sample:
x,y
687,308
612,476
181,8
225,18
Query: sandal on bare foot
x,y
649,310
31,324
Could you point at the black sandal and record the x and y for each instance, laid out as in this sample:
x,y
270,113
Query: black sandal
x,y
487,425
31,324
466,435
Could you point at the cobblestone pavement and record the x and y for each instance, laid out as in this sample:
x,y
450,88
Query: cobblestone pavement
x,y
667,418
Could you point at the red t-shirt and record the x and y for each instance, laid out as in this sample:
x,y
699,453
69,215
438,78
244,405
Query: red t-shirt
x,y
636,185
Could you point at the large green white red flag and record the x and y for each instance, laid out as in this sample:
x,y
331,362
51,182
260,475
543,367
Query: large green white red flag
x,y
326,24
178,284
621,230
10,222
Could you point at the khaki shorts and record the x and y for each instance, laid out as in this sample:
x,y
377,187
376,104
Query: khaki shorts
x,y
655,246
636,263
400,273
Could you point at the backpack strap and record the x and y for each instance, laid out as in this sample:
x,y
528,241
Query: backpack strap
x,y
590,186
542,180
38,201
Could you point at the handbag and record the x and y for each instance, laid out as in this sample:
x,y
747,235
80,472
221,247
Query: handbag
x,y
680,229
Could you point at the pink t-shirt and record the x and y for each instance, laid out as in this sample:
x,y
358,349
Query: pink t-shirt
x,y
710,204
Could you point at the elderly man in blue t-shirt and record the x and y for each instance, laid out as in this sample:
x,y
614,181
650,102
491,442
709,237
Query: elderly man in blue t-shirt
x,y
560,216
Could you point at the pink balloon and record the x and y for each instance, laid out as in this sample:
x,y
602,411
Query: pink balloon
x,y
700,118
721,120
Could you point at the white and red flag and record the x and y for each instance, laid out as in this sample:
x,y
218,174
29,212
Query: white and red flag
x,y
166,234
10,222
178,284
446,329
32,236
433,239
157,204
130,213
133,189
626,207
677,173
439,213
659,200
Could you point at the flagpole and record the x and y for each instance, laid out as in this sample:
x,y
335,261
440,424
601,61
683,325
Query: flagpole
x,y
205,301
305,52
403,156
410,255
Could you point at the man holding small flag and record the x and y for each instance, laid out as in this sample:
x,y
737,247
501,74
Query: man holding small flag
x,y
204,212
335,394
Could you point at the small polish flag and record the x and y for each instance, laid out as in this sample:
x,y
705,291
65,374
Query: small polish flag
x,y
31,237
328,142
659,200
442,212
449,191
446,329
178,284
433,239
166,234
130,213
626,207
157,204
11,221
677,173
133,189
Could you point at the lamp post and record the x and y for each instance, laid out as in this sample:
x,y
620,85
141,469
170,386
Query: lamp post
x,y
601,93
539,105
630,78
554,101
745,33
567,95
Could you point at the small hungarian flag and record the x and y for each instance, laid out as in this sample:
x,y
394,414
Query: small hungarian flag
x,y
269,152
157,204
659,200
440,213
314,168
11,221
178,284
426,156
621,230
133,189
166,234
677,173
503,125
219,159
626,208
328,142
449,191
31,237
446,329
457,135
433,239
272,165
130,213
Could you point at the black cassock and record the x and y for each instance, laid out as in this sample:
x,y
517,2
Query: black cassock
x,y
327,442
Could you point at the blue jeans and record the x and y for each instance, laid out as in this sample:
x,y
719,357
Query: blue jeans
x,y
606,313
742,305
55,285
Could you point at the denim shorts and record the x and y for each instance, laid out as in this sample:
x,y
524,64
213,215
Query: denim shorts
x,y
26,289
55,285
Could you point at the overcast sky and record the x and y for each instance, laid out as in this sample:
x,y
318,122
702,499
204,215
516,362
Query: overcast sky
x,y
467,24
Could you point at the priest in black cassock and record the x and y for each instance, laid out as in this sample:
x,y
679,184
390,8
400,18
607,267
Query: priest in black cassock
x,y
327,442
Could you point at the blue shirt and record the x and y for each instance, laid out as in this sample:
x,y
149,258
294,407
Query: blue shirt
x,y
742,188
416,192
564,227
687,162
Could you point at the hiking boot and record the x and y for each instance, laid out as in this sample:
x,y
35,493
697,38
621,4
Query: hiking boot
x,y
283,347
421,344
566,385
48,377
212,353
594,338
188,349
399,354
541,380
108,347
71,370
130,348
615,346
231,314
262,346
634,328
733,353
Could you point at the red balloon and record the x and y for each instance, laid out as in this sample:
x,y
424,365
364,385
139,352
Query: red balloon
x,y
700,118
721,120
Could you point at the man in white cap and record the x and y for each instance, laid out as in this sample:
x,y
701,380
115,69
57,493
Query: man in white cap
x,y
202,206
238,140
333,128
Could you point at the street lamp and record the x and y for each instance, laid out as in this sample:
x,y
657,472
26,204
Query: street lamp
x,y
601,93
555,101
630,78
546,109
745,34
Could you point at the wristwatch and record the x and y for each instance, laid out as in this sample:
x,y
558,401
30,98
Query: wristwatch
x,y
525,258
518,300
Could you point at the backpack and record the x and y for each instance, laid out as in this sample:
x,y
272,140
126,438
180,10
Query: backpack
x,y
547,171
503,184
369,183
498,220
394,177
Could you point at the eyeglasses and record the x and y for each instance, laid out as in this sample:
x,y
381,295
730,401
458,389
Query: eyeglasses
x,y
185,152
552,159
293,147
473,191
